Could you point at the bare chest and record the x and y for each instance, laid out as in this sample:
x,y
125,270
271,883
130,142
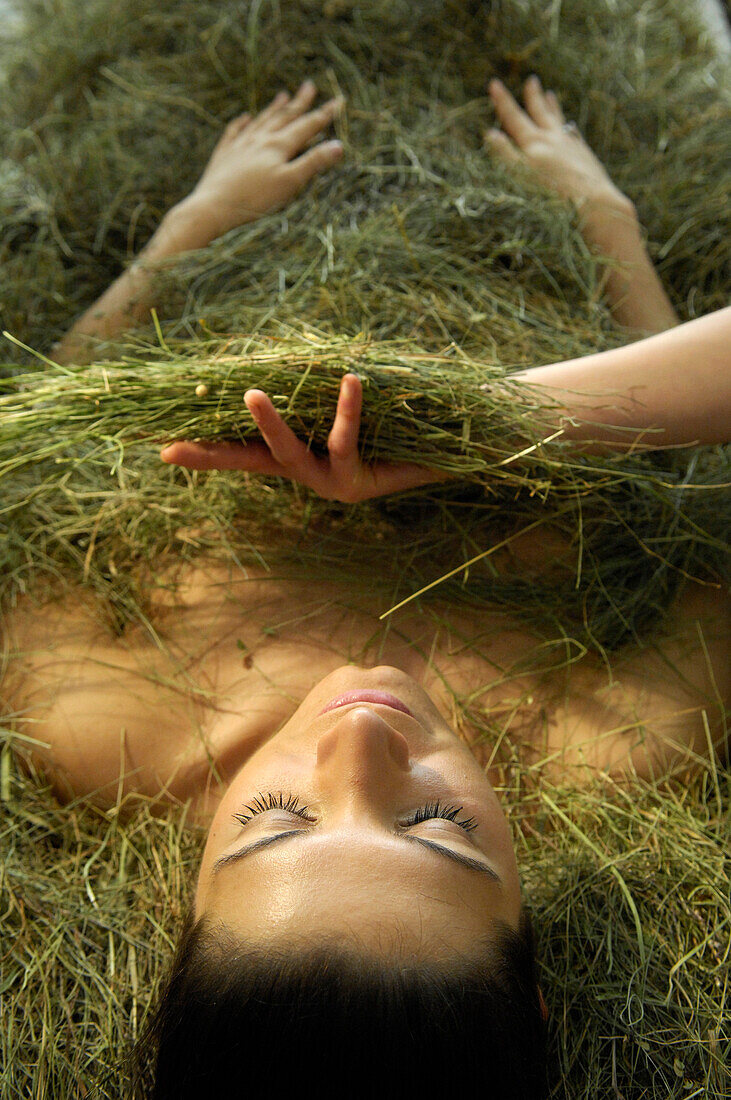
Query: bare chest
x,y
171,711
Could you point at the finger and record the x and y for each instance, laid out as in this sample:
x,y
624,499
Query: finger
x,y
280,99
289,451
301,102
254,457
236,125
535,101
232,130
555,107
513,118
318,159
304,129
502,147
342,442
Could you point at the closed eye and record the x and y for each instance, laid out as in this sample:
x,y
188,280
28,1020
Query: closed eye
x,y
277,801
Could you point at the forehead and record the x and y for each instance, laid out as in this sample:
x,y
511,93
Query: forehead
x,y
354,887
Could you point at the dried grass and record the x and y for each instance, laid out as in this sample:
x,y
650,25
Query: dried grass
x,y
107,114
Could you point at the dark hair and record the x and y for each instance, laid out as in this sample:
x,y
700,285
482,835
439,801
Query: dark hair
x,y
233,1017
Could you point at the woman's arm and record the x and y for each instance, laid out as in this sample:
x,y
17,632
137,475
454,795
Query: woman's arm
x,y
556,153
257,166
671,389
127,302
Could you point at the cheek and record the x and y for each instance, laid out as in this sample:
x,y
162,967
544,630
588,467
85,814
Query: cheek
x,y
492,817
498,827
468,782
220,834
275,767
199,896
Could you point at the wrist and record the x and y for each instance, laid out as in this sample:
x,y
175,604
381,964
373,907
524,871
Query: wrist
x,y
604,216
187,226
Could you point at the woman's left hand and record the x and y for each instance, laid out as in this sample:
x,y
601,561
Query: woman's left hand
x,y
261,163
341,476
540,139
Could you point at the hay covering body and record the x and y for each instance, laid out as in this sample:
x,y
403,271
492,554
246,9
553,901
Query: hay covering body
x,y
84,496
416,247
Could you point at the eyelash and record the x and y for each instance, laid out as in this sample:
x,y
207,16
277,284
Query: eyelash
x,y
264,802
270,801
435,809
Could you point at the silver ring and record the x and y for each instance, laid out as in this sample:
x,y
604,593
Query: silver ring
x,y
570,128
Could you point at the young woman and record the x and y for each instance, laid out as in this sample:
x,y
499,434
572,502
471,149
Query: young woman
x,y
358,921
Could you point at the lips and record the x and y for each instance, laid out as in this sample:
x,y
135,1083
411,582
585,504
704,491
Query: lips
x,y
381,697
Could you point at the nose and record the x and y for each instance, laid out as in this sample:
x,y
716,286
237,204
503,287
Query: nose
x,y
362,746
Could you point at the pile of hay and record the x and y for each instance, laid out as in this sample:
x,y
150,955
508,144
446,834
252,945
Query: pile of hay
x,y
86,493
417,253
106,119
628,890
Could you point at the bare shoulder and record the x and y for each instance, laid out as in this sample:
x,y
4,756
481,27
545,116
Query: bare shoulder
x,y
85,699
654,710
170,705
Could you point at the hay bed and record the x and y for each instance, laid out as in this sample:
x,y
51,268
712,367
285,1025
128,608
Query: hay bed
x,y
106,115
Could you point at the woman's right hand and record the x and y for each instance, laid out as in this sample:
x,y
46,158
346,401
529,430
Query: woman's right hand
x,y
341,476
261,163
540,139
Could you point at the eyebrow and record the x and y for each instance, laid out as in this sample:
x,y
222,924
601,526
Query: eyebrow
x,y
464,861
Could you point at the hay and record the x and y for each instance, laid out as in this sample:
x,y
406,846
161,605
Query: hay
x,y
417,237
637,994
106,119
84,488
416,245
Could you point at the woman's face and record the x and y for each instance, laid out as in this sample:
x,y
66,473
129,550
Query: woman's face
x,y
355,868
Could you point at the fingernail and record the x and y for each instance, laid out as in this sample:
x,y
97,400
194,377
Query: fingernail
x,y
496,85
251,405
336,146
